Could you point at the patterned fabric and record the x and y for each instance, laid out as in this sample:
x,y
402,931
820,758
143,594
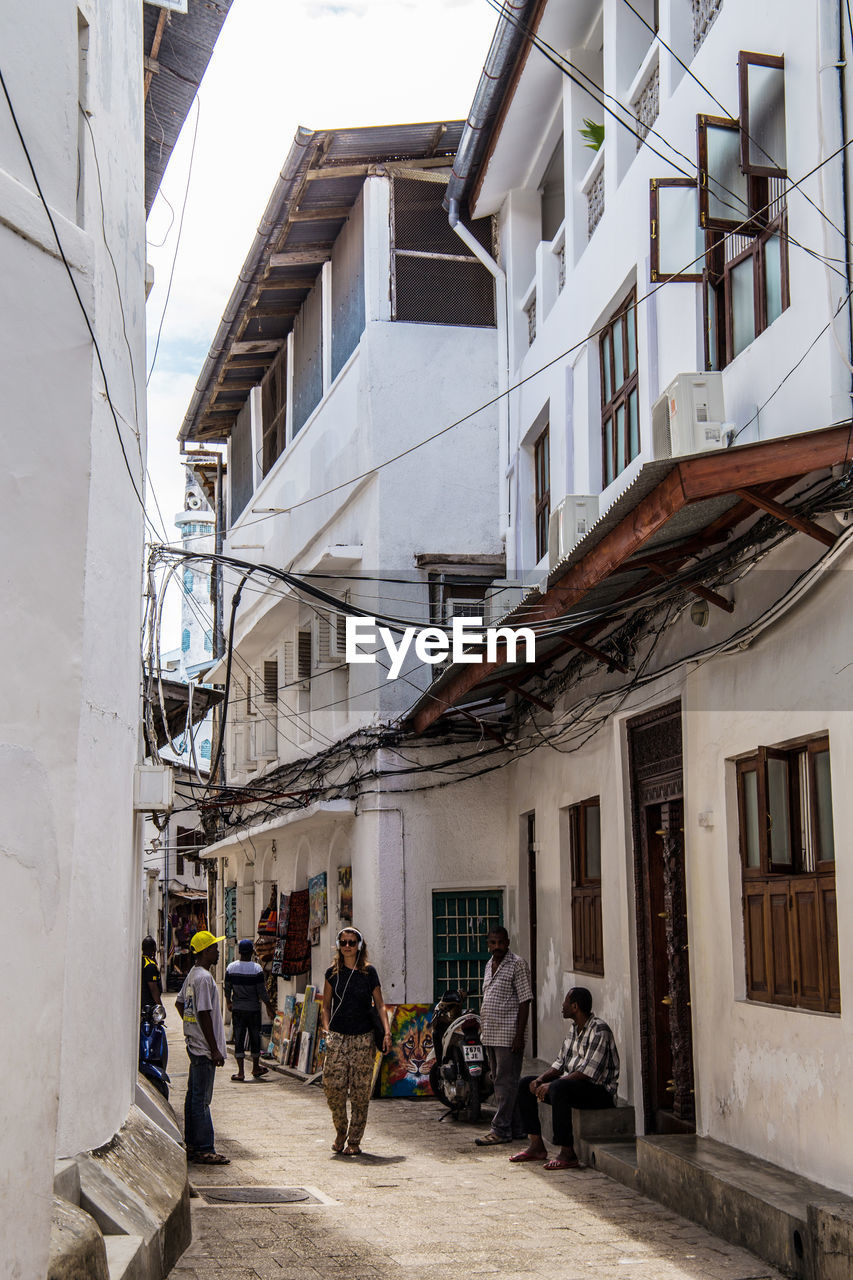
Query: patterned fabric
x,y
504,989
348,1073
593,1052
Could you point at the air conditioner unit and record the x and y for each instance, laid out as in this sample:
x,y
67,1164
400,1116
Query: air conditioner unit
x,y
689,417
501,598
570,522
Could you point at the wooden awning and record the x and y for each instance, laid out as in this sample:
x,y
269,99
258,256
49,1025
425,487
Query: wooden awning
x,y
673,514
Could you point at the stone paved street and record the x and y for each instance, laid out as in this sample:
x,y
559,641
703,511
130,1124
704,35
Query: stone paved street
x,y
423,1202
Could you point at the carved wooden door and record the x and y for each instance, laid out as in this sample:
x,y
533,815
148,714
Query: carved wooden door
x,y
662,932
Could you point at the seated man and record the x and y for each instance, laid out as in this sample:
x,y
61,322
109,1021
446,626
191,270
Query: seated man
x,y
585,1075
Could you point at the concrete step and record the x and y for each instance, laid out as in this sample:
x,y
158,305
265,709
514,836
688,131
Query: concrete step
x,y
607,1125
126,1257
747,1201
617,1159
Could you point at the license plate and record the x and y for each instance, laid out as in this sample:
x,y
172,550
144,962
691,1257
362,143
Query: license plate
x,y
472,1052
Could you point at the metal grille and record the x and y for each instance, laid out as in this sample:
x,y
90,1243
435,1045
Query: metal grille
x,y
530,312
240,462
348,289
647,105
461,924
308,358
704,15
595,202
434,279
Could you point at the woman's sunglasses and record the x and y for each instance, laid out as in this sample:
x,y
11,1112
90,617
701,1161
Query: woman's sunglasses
x,y
347,942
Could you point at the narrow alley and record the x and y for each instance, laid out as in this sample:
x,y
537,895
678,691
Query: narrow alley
x,y
422,1201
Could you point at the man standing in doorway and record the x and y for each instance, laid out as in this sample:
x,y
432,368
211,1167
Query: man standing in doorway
x,y
585,1076
507,996
198,1005
244,990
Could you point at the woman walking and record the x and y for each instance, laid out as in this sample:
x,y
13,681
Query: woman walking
x,y
351,992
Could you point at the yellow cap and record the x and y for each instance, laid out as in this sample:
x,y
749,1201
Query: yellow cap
x,y
202,940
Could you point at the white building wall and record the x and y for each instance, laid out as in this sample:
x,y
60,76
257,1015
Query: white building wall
x,y
769,1079
71,558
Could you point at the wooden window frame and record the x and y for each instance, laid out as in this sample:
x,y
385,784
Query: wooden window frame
x,y
542,489
789,909
757,187
718,277
587,933
619,397
746,60
685,277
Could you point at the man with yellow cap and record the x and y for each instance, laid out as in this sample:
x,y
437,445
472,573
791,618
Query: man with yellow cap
x,y
198,1005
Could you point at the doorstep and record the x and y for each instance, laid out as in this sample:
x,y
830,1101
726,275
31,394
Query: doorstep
x,y
799,1226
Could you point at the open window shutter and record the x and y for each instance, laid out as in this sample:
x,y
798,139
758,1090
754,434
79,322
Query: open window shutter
x,y
303,649
271,680
289,668
324,639
761,78
756,941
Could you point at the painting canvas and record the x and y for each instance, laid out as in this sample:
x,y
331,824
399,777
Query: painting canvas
x,y
345,893
405,1070
317,901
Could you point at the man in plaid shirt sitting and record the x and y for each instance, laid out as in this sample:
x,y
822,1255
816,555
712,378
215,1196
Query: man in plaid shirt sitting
x,y
585,1075
507,996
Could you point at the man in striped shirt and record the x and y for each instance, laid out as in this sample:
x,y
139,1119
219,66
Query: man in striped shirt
x,y
507,996
244,991
585,1075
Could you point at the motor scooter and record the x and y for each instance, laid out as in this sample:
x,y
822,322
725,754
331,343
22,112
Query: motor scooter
x,y
154,1047
460,1076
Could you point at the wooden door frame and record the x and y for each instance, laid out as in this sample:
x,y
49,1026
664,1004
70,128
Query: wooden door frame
x,y
653,781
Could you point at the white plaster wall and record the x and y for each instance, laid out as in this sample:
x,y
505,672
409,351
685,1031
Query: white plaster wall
x,y
768,1079
71,555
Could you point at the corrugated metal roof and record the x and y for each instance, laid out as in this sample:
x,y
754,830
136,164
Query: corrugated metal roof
x,y
184,51
293,222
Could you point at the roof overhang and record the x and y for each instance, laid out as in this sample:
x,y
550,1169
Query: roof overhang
x,y
175,703
314,195
313,815
511,102
674,512
177,48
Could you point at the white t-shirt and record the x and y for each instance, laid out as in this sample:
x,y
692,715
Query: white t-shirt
x,y
199,994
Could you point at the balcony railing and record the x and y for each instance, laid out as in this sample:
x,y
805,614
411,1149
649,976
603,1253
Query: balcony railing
x,y
594,189
647,105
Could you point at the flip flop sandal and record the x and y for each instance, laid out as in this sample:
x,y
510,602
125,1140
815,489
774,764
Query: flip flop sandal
x,y
239,1079
557,1163
352,1151
338,1146
491,1139
264,1071
525,1157
210,1157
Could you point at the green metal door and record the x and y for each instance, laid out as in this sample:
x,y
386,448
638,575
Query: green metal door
x,y
460,925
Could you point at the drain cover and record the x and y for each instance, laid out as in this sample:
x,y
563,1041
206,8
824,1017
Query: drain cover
x,y
255,1195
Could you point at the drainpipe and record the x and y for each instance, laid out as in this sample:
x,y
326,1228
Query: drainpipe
x,y
845,181
502,320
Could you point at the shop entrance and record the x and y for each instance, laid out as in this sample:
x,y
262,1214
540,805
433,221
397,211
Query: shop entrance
x,y
666,1033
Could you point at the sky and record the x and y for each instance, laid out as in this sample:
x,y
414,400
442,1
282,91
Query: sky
x,y
278,64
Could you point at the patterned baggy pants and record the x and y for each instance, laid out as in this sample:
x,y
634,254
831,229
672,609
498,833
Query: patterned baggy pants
x,y
348,1073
